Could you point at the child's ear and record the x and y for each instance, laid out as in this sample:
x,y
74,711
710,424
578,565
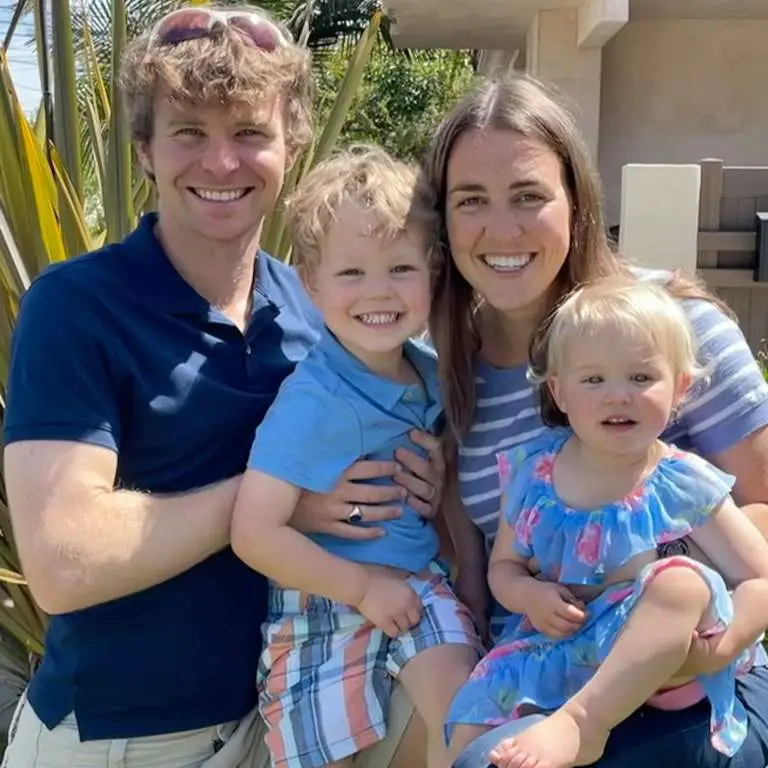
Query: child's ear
x,y
682,387
556,390
307,276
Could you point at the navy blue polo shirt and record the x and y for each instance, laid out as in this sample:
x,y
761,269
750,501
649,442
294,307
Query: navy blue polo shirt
x,y
114,348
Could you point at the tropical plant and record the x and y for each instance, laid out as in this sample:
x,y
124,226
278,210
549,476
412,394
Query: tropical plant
x,y
401,98
762,359
79,131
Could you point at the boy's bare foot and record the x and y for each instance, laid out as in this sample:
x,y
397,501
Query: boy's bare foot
x,y
565,739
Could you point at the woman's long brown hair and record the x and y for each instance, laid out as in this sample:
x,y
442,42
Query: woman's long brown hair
x,y
524,105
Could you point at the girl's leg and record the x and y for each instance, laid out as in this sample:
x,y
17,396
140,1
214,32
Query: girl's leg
x,y
649,651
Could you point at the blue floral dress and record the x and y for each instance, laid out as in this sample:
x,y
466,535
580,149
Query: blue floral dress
x,y
585,547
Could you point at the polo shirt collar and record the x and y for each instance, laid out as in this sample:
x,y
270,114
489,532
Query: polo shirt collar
x,y
384,392
156,280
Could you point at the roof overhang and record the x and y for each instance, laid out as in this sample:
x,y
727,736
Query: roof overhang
x,y
503,24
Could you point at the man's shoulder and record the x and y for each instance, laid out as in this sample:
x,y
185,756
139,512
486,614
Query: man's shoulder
x,y
81,281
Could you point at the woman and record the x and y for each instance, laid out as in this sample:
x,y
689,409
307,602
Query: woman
x,y
522,224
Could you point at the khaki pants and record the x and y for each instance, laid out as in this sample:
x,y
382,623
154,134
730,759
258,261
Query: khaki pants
x,y
32,745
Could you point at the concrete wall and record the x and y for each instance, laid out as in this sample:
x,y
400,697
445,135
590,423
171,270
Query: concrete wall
x,y
677,91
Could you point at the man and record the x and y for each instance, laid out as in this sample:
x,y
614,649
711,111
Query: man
x,y
138,376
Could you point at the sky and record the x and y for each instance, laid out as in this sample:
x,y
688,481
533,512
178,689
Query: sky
x,y
22,58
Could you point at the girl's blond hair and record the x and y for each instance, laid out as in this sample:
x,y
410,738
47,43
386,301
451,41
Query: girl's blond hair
x,y
641,311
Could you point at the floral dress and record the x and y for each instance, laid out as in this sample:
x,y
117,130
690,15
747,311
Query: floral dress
x,y
528,668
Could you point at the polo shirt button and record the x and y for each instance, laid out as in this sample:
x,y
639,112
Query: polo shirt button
x,y
247,349
408,396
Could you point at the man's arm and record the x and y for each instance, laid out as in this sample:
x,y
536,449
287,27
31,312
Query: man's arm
x,y
83,543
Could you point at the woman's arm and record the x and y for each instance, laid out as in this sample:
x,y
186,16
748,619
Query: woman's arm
x,y
747,461
471,584
725,418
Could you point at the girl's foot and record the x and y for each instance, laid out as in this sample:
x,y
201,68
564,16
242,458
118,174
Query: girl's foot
x,y
563,740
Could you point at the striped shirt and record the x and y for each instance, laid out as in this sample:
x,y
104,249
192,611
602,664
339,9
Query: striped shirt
x,y
726,405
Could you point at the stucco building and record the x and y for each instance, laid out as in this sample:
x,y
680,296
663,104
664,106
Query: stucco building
x,y
653,81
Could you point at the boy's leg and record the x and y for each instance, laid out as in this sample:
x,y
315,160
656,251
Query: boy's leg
x,y
411,752
647,653
323,683
432,679
434,659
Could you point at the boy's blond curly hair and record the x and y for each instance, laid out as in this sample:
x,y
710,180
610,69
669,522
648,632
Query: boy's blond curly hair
x,y
371,177
222,68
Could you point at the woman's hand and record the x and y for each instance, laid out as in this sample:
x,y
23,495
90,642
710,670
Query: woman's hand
x,y
423,479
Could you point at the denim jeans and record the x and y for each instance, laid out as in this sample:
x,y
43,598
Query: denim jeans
x,y
663,739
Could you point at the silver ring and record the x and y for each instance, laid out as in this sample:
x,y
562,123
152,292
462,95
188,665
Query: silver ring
x,y
355,514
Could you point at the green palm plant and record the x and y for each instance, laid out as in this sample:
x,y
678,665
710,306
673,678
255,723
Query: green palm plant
x,y
43,218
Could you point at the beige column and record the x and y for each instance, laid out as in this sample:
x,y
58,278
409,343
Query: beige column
x,y
564,48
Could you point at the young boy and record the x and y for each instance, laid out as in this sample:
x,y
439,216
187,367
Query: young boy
x,y
347,616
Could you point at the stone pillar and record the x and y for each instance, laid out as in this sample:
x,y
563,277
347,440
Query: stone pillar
x,y
555,58
564,48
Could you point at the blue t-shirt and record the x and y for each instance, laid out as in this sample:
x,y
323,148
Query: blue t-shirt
x,y
333,410
115,349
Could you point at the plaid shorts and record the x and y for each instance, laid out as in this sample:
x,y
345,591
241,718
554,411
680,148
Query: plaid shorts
x,y
326,672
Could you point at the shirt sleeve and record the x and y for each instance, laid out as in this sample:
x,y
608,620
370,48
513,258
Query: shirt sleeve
x,y
731,400
308,438
60,382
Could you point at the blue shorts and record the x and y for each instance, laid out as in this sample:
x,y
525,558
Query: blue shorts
x,y
671,739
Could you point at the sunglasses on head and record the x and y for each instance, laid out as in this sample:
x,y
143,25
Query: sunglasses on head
x,y
197,23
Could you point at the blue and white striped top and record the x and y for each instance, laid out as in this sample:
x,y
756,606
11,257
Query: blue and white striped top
x,y
730,404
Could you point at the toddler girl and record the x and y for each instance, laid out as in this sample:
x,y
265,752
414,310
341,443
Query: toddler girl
x,y
607,626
